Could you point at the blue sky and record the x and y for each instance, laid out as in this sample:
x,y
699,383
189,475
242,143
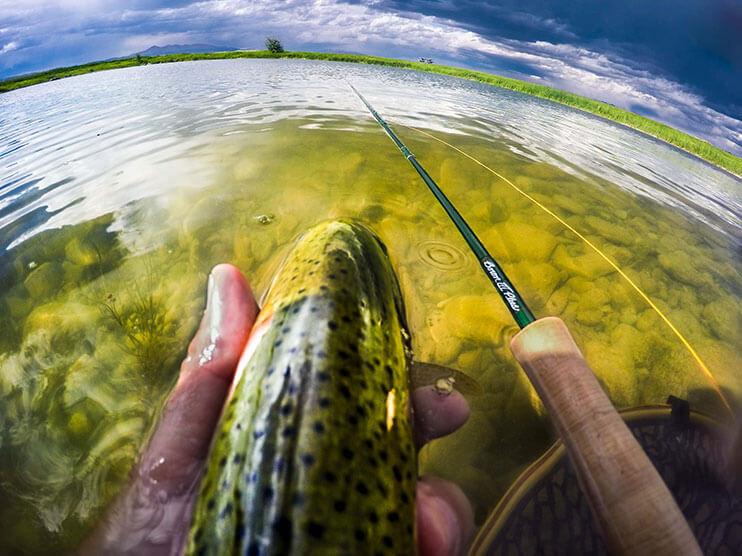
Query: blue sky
x,y
677,61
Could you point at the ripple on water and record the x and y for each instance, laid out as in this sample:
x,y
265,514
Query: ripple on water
x,y
441,255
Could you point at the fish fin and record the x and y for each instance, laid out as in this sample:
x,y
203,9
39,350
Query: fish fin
x,y
445,378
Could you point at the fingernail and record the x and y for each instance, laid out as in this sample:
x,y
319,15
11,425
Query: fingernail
x,y
215,303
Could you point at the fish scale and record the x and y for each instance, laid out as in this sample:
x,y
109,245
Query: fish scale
x,y
314,453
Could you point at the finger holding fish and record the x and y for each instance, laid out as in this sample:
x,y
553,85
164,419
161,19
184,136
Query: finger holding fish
x,y
152,515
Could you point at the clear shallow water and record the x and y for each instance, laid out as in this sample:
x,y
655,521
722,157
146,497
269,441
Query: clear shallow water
x,y
119,190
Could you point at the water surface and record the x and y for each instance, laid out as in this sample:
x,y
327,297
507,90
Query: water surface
x,y
120,190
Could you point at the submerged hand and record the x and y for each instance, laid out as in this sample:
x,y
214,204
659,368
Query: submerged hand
x,y
152,514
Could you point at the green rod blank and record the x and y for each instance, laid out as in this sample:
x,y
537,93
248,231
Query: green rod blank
x,y
513,301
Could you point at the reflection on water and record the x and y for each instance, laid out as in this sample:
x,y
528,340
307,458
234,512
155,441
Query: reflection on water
x,y
120,190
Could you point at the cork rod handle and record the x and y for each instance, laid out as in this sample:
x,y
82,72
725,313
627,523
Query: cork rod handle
x,y
635,510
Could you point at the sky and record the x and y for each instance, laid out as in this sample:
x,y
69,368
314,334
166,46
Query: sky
x,y
675,61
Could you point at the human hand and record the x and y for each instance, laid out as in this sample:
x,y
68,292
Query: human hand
x,y
152,514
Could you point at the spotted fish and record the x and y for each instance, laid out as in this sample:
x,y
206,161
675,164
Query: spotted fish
x,y
314,454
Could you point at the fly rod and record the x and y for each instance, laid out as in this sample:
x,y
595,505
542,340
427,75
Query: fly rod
x,y
632,505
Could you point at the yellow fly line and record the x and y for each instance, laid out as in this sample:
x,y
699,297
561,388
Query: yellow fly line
x,y
605,257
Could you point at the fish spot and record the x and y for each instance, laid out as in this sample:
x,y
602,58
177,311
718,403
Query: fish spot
x,y
353,348
347,453
372,461
307,459
331,276
268,493
392,516
236,459
286,409
382,489
240,532
397,473
323,288
321,354
373,517
277,343
315,530
339,506
210,504
330,477
346,319
361,411
199,534
405,499
387,540
376,361
384,455
324,376
226,511
258,434
302,290
344,372
343,354
286,330
343,271
360,535
368,444
332,325
223,461
363,384
324,402
253,549
344,390
361,488
282,526
318,427
353,420
287,431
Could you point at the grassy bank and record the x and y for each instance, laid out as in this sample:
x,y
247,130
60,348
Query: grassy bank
x,y
666,133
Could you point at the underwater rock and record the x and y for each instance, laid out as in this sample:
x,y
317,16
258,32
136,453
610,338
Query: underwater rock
x,y
724,318
568,204
582,262
679,265
477,318
520,241
44,280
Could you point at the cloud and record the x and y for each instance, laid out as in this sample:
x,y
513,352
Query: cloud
x,y
12,45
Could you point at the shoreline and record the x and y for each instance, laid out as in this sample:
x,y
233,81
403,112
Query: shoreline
x,y
691,145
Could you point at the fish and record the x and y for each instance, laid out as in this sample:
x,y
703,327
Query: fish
x,y
314,453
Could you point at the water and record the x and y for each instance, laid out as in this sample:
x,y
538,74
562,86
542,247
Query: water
x,y
120,190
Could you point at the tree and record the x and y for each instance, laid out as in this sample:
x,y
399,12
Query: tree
x,y
273,45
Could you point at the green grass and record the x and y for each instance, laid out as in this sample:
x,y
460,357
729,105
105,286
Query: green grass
x,y
666,133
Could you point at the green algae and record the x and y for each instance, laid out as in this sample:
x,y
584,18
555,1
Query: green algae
x,y
87,360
